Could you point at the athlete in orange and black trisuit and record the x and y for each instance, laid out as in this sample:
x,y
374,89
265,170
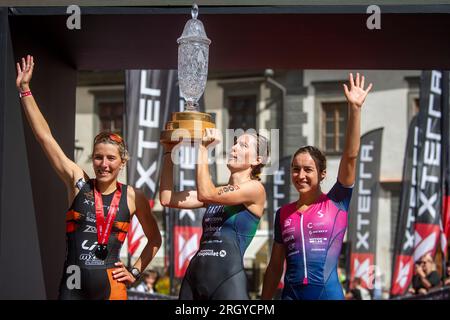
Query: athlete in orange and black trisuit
x,y
81,232
100,209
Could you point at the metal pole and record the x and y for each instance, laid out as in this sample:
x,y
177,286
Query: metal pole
x,y
279,86
280,117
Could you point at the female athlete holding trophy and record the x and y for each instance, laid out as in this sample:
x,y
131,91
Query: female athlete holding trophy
x,y
232,216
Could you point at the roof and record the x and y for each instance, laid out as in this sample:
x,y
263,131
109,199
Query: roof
x,y
243,38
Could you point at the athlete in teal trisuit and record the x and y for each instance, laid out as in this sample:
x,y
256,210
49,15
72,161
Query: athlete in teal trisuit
x,y
230,221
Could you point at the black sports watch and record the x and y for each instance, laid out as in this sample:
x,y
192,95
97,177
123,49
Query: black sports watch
x,y
136,273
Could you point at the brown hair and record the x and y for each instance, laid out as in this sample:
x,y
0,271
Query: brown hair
x,y
318,156
115,139
262,150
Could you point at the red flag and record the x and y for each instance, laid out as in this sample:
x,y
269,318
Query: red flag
x,y
135,235
403,273
362,267
187,240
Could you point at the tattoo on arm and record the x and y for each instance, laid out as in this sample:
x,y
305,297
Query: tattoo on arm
x,y
228,189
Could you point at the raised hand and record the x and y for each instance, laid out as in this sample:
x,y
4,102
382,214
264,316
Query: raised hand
x,y
24,73
211,137
357,94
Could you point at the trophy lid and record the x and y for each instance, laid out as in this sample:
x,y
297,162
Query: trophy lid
x,y
194,31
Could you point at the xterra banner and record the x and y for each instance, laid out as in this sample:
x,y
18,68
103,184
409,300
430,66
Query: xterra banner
x,y
150,95
420,224
363,212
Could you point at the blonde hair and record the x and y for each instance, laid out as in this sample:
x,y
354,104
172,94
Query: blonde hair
x,y
262,150
115,139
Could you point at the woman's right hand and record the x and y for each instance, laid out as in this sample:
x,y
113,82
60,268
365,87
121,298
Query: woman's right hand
x,y
211,137
24,73
168,147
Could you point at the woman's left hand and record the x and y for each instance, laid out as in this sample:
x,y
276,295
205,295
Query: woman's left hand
x,y
121,274
356,94
24,73
211,137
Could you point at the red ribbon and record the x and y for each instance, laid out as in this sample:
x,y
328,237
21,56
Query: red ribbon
x,y
104,227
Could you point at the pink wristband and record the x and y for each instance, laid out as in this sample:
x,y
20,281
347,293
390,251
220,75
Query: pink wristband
x,y
24,94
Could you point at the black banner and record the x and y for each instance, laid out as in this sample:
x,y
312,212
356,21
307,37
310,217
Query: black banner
x,y
429,175
446,162
150,94
426,191
403,263
362,231
149,99
278,190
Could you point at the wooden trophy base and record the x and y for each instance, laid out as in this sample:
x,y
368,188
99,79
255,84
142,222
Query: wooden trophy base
x,y
186,126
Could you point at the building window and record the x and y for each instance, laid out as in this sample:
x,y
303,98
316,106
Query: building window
x,y
242,112
334,124
111,116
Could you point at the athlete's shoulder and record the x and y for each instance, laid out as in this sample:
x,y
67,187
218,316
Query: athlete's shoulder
x,y
133,196
137,195
256,194
132,192
287,210
340,195
256,186
339,190
290,207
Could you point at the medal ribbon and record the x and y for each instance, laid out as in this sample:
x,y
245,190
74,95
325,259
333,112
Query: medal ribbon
x,y
104,227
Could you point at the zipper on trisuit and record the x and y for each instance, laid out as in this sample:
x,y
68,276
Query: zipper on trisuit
x,y
305,278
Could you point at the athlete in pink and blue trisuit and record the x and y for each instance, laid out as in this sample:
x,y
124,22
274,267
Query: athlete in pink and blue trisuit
x,y
309,231
312,239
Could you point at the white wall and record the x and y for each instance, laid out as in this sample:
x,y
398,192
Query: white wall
x,y
214,103
87,126
383,253
386,106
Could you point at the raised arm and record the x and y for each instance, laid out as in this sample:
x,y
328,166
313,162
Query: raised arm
x,y
355,97
167,196
250,193
66,169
